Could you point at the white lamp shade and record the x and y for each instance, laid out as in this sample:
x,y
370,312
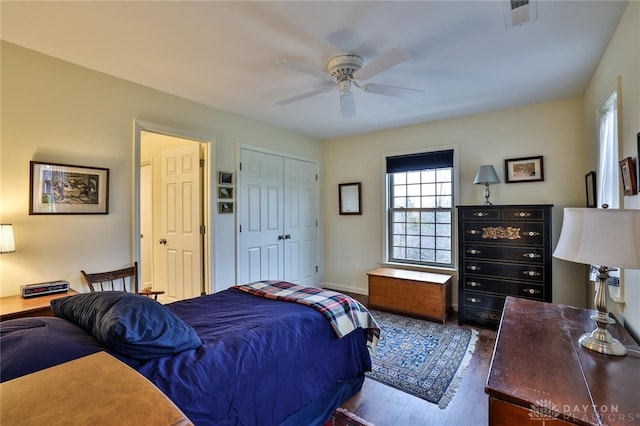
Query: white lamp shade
x,y
486,174
7,243
603,237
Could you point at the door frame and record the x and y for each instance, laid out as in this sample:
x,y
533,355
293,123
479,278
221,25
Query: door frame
x,y
208,184
319,243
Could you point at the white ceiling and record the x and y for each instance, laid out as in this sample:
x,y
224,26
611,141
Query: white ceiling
x,y
224,54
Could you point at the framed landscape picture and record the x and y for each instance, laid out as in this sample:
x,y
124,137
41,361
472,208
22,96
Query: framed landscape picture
x,y
526,169
68,189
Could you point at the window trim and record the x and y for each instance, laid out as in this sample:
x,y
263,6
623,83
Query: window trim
x,y
385,255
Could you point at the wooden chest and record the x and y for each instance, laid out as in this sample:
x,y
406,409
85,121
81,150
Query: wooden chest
x,y
411,292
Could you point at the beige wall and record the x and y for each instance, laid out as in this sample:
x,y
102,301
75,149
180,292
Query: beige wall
x,y
353,244
622,58
58,112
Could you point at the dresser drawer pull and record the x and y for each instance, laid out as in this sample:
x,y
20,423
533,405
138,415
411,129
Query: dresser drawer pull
x,y
531,291
522,214
480,214
473,251
531,255
474,232
474,299
473,268
474,284
531,233
531,273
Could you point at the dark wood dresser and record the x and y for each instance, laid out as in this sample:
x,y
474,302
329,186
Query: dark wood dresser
x,y
541,375
504,251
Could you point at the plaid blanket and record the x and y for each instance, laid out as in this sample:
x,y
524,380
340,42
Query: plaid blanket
x,y
343,312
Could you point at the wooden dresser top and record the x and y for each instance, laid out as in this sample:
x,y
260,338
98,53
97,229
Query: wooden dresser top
x,y
539,364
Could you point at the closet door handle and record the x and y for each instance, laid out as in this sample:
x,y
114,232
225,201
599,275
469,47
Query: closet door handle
x,y
287,237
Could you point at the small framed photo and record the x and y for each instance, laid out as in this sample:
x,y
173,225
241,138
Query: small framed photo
x,y
225,192
590,187
225,178
67,189
629,184
526,169
225,207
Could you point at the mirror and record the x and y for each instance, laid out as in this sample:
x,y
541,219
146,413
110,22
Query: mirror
x,y
350,199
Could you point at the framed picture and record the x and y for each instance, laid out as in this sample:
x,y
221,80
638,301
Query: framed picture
x,y
225,207
225,192
350,198
590,187
629,184
67,189
225,178
527,169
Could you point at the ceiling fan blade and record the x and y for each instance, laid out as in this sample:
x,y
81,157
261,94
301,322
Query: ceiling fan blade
x,y
347,105
303,96
386,90
305,69
381,63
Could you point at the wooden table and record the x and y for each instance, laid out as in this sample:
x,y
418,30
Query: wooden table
x,y
411,292
12,307
94,390
540,374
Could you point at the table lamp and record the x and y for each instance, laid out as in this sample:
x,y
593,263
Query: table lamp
x,y
7,243
609,238
486,175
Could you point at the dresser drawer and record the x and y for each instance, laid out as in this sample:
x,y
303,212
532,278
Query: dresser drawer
x,y
516,213
513,254
525,233
482,316
481,213
484,300
502,287
520,272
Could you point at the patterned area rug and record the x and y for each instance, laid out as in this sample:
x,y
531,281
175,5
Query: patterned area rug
x,y
342,417
422,358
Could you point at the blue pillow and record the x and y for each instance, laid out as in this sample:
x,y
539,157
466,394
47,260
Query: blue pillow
x,y
127,323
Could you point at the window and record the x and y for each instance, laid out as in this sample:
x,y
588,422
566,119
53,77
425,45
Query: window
x,y
608,189
420,214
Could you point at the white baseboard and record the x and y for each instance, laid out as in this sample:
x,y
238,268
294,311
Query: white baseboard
x,y
349,289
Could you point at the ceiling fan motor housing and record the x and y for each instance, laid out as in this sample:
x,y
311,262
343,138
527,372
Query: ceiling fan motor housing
x,y
344,67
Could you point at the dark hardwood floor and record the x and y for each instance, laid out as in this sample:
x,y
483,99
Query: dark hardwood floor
x,y
386,406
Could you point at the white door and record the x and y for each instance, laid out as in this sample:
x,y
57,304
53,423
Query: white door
x,y
277,213
300,221
261,228
181,219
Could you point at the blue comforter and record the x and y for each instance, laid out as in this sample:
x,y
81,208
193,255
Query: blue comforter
x,y
261,362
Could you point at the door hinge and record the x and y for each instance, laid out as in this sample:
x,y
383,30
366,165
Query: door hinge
x,y
316,223
203,229
240,166
240,228
316,177
316,269
202,163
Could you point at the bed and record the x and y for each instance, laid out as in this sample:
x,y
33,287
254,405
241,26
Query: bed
x,y
230,358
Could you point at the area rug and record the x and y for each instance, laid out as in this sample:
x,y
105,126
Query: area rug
x,y
422,358
342,417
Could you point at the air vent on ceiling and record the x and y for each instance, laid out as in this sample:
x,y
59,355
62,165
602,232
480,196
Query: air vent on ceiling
x,y
518,12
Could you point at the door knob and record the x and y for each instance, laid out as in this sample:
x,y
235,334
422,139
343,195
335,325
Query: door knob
x,y
287,237
163,241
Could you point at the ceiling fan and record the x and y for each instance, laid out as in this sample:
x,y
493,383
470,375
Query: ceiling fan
x,y
346,71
